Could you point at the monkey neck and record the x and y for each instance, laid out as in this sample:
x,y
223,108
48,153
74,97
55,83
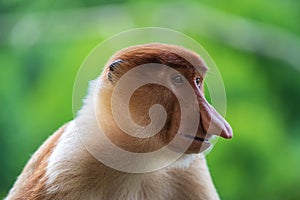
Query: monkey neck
x,y
73,173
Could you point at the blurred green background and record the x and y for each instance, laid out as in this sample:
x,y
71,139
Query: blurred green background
x,y
255,44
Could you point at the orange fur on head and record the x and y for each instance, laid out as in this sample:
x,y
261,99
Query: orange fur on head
x,y
188,64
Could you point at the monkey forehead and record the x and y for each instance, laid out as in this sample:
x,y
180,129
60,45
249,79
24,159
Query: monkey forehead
x,y
171,55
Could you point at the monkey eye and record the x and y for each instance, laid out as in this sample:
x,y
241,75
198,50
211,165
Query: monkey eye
x,y
177,79
198,80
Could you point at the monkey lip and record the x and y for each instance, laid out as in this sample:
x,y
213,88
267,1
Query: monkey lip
x,y
199,139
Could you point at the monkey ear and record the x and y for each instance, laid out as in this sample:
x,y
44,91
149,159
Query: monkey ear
x,y
115,64
113,68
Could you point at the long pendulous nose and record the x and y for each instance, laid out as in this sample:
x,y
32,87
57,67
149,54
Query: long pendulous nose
x,y
212,122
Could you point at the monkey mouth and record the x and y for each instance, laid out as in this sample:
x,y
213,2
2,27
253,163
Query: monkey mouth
x,y
199,139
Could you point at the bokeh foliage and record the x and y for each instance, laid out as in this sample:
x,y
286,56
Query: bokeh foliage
x,y
254,43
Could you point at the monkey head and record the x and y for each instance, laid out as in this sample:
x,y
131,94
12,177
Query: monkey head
x,y
168,75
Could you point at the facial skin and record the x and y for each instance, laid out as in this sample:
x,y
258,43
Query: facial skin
x,y
188,73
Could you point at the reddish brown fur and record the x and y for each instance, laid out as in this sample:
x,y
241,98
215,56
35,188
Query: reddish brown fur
x,y
170,55
141,101
31,183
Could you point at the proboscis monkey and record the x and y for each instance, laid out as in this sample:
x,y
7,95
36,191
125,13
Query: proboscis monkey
x,y
64,168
